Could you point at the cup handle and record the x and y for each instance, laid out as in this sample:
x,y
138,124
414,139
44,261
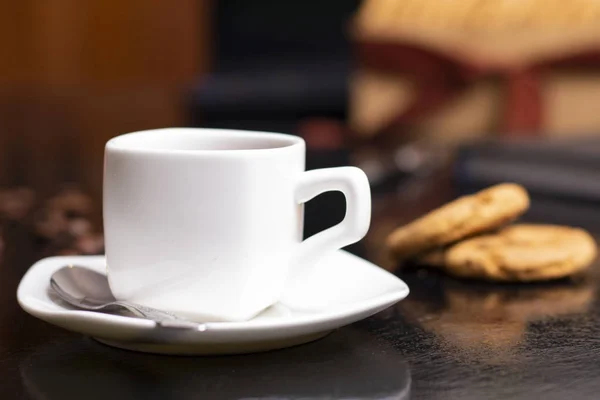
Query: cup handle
x,y
353,183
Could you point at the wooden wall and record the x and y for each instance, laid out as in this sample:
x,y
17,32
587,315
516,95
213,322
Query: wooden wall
x,y
74,73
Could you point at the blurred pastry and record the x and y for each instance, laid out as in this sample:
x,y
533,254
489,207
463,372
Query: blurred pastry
x,y
466,216
521,252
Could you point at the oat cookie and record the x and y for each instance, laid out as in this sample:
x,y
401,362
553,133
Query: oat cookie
x,y
433,258
522,252
466,216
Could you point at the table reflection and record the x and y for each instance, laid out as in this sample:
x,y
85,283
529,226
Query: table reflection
x,y
349,363
489,322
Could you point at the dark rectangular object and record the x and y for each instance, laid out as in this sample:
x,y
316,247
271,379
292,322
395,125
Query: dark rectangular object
x,y
567,169
562,176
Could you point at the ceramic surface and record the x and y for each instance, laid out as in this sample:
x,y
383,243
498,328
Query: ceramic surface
x,y
207,223
342,290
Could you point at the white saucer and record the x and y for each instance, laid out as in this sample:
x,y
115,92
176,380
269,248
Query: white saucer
x,y
343,289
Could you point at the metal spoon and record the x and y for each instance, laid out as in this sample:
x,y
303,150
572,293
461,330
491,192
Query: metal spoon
x,y
89,290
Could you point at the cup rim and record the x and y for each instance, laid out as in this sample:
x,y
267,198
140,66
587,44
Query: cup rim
x,y
288,142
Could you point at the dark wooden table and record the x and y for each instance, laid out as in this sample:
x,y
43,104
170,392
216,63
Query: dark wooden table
x,y
448,340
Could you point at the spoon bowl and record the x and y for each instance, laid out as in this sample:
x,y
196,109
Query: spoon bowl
x,y
89,290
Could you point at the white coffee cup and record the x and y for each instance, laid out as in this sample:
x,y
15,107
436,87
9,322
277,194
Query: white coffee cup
x,y
208,223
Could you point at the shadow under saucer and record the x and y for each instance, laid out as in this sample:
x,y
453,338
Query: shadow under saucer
x,y
349,363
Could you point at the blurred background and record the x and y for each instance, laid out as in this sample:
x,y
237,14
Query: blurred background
x,y
484,91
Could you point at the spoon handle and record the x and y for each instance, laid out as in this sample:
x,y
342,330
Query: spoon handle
x,y
162,318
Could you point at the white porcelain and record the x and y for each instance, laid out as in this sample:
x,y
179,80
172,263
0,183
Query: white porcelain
x,y
207,223
345,288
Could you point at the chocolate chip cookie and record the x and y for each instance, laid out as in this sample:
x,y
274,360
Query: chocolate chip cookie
x,y
521,252
466,216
